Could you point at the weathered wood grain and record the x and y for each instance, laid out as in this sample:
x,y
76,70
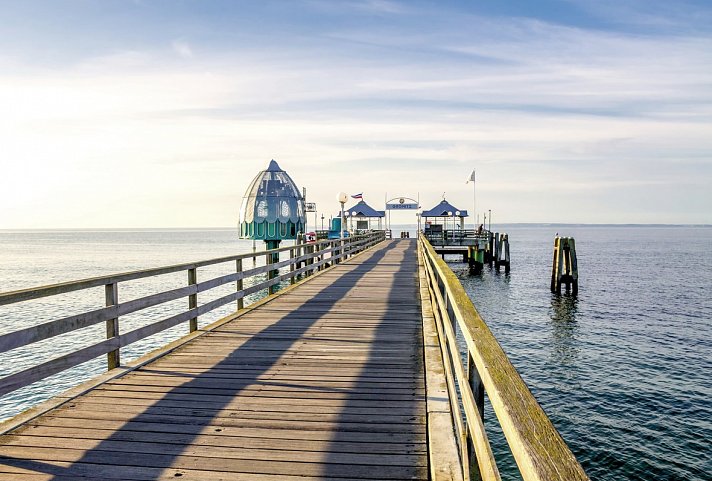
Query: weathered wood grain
x,y
443,456
321,383
540,452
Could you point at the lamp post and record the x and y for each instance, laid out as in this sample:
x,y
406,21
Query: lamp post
x,y
342,198
450,214
454,227
322,221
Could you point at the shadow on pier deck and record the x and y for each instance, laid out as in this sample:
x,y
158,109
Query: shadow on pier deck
x,y
356,372
323,382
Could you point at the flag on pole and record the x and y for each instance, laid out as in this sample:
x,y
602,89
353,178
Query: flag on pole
x,y
472,177
357,196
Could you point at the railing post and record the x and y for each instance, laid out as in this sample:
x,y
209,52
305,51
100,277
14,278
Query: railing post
x,y
269,260
310,262
293,278
239,284
303,251
478,392
113,358
193,298
298,253
317,249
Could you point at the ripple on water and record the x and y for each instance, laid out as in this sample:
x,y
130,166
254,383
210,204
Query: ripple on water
x,y
623,371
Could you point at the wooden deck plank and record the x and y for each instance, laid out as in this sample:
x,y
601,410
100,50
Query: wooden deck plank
x,y
254,440
259,405
90,410
263,398
119,426
219,465
198,448
323,382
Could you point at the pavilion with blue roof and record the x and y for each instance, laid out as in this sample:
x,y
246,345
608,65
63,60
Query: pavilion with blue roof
x,y
365,217
439,215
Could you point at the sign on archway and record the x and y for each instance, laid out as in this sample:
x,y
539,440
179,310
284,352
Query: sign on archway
x,y
402,203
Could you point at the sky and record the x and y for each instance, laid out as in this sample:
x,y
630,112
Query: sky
x,y
144,113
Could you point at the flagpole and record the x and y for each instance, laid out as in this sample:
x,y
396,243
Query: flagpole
x,y
474,200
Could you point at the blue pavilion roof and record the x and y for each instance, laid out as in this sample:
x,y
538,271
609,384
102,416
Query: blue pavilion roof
x,y
362,209
442,209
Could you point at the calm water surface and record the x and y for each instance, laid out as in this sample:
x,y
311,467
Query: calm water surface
x,y
624,370
34,258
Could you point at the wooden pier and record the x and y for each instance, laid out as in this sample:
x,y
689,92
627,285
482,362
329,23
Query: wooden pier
x,y
348,374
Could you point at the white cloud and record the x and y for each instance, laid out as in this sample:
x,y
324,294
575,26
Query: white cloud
x,y
182,48
552,114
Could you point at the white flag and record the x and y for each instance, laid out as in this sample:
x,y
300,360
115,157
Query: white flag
x,y
472,177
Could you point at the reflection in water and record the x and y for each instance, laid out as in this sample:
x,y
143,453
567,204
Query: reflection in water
x,y
563,322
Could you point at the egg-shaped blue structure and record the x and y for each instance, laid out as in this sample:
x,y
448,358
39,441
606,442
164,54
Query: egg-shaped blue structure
x,y
273,207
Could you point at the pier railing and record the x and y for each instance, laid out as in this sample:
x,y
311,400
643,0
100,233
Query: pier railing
x,y
538,449
456,237
304,260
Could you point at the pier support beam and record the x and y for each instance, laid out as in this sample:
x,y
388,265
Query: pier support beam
x,y
272,258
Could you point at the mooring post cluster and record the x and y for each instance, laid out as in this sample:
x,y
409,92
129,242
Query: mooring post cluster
x,y
564,270
499,246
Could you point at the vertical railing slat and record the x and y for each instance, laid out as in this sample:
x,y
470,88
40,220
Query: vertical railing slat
x,y
239,284
113,358
193,299
269,260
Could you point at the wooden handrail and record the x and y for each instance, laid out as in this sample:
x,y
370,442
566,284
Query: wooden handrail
x,y
12,297
313,257
538,449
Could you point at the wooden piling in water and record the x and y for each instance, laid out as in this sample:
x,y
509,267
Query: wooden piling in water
x,y
489,249
502,252
475,258
564,270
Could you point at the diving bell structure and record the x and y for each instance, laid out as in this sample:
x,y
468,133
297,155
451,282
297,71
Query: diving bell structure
x,y
273,208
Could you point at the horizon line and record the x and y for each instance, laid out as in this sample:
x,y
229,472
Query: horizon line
x,y
591,224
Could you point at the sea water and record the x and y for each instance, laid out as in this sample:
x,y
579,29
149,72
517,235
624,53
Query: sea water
x,y
623,370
